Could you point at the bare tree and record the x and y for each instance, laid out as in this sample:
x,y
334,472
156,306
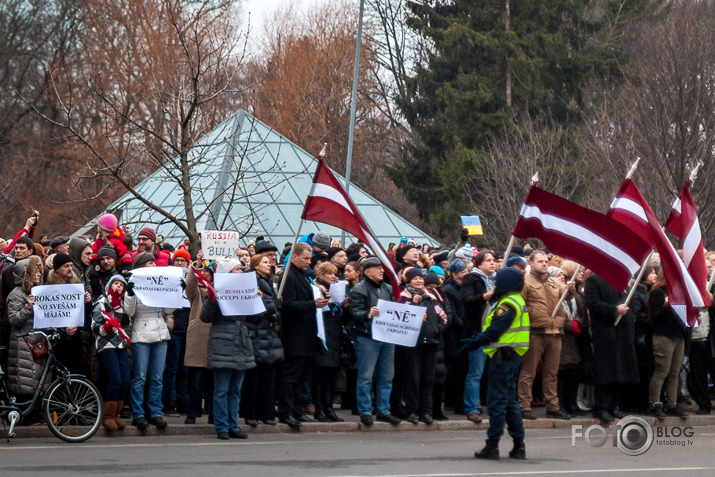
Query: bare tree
x,y
150,80
663,113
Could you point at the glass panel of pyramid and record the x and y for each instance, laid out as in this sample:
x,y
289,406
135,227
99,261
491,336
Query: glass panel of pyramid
x,y
247,177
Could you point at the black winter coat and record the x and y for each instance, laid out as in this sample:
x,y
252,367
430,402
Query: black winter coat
x,y
364,296
473,287
614,352
330,358
665,321
644,329
454,307
267,347
230,346
299,327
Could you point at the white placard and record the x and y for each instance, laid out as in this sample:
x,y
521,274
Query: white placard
x,y
319,316
159,287
398,323
218,243
237,294
337,292
58,306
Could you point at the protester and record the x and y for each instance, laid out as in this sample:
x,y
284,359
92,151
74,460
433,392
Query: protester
x,y
230,355
111,343
258,395
150,337
456,364
112,236
147,244
375,359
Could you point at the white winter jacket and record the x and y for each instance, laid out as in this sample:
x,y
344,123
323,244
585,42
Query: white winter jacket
x,y
149,324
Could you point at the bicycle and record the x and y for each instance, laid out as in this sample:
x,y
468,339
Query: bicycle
x,y
72,405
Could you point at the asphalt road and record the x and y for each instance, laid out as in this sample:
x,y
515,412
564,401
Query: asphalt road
x,y
390,454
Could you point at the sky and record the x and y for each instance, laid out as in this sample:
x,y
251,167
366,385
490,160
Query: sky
x,y
260,9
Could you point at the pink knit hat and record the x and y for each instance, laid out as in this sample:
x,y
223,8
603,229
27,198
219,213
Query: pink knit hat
x,y
107,222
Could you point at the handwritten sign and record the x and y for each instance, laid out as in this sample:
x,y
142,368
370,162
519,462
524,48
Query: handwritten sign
x,y
398,323
218,244
159,287
58,306
237,294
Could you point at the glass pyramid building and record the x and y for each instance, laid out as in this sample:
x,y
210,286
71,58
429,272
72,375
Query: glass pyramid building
x,y
246,177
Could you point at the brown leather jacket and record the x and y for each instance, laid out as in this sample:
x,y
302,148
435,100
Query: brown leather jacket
x,y
541,297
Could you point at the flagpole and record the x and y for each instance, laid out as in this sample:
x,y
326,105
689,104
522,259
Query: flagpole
x,y
512,240
321,155
566,291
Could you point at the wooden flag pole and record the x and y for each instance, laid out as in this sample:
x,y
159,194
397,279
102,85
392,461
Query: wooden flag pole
x,y
512,240
566,291
632,291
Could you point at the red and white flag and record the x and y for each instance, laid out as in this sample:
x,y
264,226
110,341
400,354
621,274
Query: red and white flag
x,y
205,282
117,326
588,237
683,222
631,209
330,204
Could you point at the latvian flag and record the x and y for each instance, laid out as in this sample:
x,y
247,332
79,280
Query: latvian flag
x,y
588,237
330,204
631,209
683,222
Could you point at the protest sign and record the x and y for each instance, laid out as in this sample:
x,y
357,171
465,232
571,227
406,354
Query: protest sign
x,y
159,287
337,292
237,294
58,306
319,316
217,244
398,323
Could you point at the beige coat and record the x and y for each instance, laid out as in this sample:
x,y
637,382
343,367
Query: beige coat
x,y
541,299
197,333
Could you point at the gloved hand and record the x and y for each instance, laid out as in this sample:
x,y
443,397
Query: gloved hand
x,y
130,288
114,301
468,344
108,329
464,234
576,328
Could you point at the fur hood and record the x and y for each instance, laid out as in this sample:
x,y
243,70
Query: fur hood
x,y
55,278
34,265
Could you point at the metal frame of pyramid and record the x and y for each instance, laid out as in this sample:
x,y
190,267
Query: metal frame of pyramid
x,y
251,179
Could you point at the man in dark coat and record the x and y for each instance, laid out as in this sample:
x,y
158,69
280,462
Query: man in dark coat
x,y
299,334
614,349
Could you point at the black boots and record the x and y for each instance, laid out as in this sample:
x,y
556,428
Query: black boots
x,y
490,451
519,450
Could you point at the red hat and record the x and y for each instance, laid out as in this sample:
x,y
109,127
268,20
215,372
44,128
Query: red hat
x,y
183,254
148,233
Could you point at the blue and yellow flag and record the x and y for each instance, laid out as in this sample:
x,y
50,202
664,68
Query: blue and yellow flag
x,y
472,224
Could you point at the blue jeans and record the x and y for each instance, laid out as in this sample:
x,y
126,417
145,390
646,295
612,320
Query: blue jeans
x,y
149,361
115,362
501,398
227,397
175,385
374,357
477,359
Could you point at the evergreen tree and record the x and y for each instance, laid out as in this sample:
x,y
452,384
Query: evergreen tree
x,y
457,99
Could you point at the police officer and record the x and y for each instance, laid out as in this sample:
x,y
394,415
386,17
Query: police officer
x,y
505,339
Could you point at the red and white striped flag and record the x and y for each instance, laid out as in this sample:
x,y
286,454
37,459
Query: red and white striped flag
x,y
117,326
683,222
205,282
588,237
330,204
631,209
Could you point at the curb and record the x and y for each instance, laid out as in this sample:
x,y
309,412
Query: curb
x,y
41,431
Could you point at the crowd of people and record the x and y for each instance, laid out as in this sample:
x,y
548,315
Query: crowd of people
x,y
586,351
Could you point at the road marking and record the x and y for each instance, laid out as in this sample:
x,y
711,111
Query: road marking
x,y
538,472
171,444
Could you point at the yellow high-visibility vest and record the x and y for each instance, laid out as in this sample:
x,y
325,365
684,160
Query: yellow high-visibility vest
x,y
517,335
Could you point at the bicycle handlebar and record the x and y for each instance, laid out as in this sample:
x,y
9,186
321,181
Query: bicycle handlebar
x,y
47,333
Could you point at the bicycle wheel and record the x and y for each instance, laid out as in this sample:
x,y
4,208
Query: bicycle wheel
x,y
73,409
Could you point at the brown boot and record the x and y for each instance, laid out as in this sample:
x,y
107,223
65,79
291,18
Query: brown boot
x,y
110,408
120,424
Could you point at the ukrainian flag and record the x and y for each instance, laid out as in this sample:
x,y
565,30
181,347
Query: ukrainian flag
x,y
472,224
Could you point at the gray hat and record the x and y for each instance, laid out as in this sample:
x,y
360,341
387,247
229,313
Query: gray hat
x,y
265,246
370,262
112,279
321,239
55,242
142,258
464,253
226,264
